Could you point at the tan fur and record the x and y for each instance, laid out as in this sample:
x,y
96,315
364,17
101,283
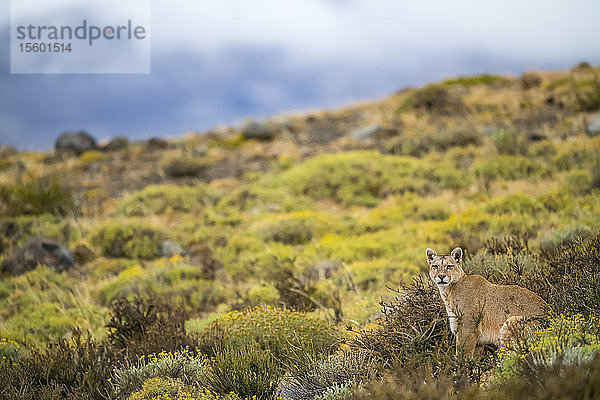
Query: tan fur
x,y
481,312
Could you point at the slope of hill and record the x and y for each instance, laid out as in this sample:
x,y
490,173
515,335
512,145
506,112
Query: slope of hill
x,y
314,213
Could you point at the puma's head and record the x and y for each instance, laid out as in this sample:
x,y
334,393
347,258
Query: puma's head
x,y
445,270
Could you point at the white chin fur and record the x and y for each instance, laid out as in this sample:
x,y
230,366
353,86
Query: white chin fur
x,y
443,284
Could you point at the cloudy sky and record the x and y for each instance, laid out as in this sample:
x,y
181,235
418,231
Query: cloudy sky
x,y
219,61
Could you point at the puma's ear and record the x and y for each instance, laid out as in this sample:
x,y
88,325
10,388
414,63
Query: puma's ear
x,y
430,255
457,254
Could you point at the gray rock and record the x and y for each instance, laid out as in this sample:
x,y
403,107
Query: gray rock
x,y
170,249
489,130
368,132
157,143
76,142
593,125
530,80
187,167
321,130
257,130
35,252
115,144
83,254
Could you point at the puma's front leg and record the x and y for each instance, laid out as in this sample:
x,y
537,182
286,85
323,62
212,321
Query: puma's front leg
x,y
466,341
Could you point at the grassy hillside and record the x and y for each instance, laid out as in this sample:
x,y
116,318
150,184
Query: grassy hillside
x,y
288,243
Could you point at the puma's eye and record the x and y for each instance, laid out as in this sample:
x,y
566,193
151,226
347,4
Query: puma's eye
x,y
434,267
450,266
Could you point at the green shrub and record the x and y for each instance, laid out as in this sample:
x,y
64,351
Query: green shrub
x,y
125,285
516,203
544,149
145,326
81,367
595,175
420,143
510,142
434,211
485,79
370,274
185,366
288,231
410,384
249,372
176,282
553,240
400,209
35,198
572,382
384,244
127,239
573,276
299,227
159,199
9,351
444,100
42,305
261,196
579,153
413,329
105,268
300,281
393,212
369,246
338,392
586,88
350,179
240,256
77,368
263,295
567,341
445,178
353,178
43,322
566,382
334,377
164,389
284,333
507,167
555,201
577,181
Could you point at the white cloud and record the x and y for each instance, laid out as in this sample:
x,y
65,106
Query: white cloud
x,y
376,28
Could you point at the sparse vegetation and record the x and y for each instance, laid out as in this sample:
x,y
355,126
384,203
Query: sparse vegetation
x,y
35,198
159,199
118,239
